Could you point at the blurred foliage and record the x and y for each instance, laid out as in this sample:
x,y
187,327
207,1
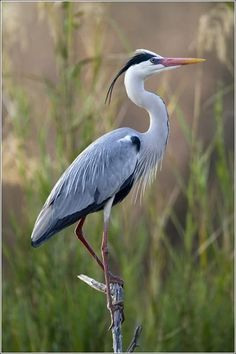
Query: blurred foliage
x,y
181,291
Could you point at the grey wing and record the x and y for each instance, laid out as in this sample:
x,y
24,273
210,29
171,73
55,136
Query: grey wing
x,y
97,174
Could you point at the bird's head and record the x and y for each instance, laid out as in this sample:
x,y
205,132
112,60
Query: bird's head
x,y
145,63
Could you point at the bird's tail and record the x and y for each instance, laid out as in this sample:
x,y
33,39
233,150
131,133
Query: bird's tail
x,y
44,227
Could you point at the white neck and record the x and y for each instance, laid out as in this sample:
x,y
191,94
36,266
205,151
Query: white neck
x,y
153,104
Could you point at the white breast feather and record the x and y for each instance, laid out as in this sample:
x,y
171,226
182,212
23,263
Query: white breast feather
x,y
146,171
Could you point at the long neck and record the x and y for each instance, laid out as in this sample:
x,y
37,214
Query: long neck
x,y
152,103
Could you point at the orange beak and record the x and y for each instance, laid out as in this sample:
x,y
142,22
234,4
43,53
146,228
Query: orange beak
x,y
180,61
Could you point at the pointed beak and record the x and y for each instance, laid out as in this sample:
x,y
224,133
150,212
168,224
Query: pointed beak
x,y
180,61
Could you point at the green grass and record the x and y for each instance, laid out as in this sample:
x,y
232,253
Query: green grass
x,y
177,264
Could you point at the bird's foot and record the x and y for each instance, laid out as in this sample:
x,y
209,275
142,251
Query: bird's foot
x,y
115,279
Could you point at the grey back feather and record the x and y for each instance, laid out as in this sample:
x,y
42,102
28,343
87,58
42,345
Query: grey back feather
x,y
94,176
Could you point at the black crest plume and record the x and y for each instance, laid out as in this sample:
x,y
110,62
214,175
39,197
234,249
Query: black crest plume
x,y
136,59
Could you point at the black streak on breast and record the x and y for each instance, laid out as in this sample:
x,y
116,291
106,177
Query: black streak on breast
x,y
124,190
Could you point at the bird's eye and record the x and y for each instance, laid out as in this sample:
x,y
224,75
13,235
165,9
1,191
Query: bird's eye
x,y
154,60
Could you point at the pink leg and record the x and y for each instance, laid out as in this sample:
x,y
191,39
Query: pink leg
x,y
79,233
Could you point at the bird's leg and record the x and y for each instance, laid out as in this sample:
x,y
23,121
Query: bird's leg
x,y
109,278
79,233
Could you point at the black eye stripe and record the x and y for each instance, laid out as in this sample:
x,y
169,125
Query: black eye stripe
x,y
139,58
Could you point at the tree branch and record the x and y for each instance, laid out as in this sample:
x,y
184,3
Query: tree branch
x,y
117,294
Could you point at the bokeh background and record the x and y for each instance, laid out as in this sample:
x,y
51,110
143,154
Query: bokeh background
x,y
175,249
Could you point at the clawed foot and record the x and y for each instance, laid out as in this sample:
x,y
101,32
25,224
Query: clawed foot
x,y
115,279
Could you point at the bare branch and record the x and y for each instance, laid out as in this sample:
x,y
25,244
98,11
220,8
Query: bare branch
x,y
93,283
117,294
134,342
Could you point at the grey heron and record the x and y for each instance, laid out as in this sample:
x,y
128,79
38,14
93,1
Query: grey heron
x,y
104,173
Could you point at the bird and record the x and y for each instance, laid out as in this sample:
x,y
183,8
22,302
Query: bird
x,y
105,172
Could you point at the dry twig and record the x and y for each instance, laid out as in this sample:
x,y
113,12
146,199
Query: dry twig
x,y
134,343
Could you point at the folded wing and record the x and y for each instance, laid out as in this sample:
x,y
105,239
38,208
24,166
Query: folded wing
x,y
101,171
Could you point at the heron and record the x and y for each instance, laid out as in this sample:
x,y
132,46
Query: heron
x,y
108,169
